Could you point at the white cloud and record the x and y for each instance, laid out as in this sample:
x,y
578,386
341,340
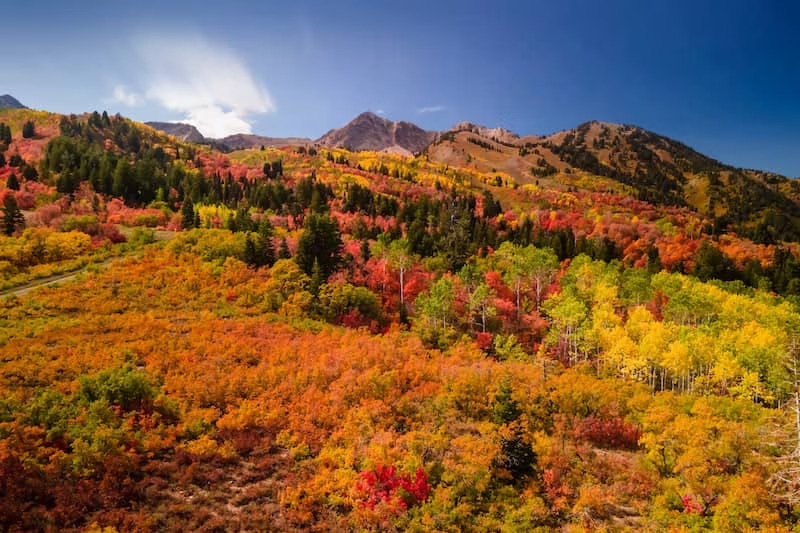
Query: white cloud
x,y
380,112
208,84
122,95
430,109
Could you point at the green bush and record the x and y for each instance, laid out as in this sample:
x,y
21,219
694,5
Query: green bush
x,y
125,387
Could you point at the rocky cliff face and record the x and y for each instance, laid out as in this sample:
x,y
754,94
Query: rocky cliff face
x,y
499,134
183,132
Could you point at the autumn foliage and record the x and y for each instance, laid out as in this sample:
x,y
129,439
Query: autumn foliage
x,y
393,493
280,340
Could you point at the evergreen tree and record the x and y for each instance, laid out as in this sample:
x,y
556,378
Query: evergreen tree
x,y
304,190
29,173
187,213
5,134
12,182
505,409
712,263
28,130
232,223
318,203
258,250
365,255
244,222
283,252
265,232
653,260
121,178
250,252
67,182
317,278
2,160
516,456
320,241
12,216
95,120
491,207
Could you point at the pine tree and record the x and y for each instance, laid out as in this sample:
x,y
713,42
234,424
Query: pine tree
x,y
505,409
516,456
232,223
5,134
28,130
67,182
12,182
12,216
265,232
365,255
30,173
317,278
121,178
250,252
283,252
187,213
320,241
318,204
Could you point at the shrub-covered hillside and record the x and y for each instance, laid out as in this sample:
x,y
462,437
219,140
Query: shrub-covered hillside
x,y
317,339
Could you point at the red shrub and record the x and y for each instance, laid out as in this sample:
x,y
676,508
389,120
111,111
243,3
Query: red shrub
x,y
384,487
608,433
484,341
691,505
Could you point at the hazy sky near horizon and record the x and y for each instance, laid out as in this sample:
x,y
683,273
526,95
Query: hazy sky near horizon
x,y
723,77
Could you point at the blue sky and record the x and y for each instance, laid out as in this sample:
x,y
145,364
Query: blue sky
x,y
723,77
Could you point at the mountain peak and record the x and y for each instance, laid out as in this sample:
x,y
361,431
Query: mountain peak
x,y
369,131
9,102
371,116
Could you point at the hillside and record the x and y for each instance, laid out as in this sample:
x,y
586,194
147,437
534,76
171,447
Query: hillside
x,y
369,131
657,169
593,156
312,338
242,141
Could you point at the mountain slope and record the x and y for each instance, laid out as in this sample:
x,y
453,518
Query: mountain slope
x,y
368,131
9,102
243,141
655,168
594,156
238,141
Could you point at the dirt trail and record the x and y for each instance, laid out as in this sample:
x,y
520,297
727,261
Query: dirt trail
x,y
160,235
52,280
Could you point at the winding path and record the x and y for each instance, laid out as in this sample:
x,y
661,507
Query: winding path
x,y
19,290
52,280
